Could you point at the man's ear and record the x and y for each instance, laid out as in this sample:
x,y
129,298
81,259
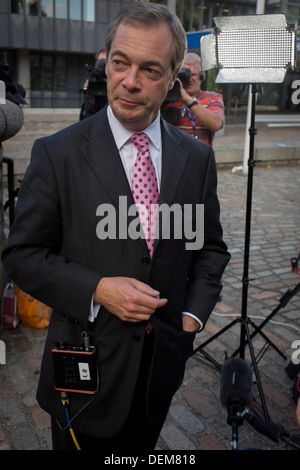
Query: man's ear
x,y
173,79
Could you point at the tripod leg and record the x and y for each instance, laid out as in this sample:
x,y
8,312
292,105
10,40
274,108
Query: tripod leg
x,y
258,330
216,335
256,372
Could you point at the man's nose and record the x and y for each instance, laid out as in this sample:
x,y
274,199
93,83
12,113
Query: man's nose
x,y
132,81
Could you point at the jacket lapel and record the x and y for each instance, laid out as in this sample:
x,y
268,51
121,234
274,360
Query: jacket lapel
x,y
174,159
101,154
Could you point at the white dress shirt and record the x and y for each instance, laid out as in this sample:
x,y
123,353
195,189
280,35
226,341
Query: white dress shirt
x,y
128,153
128,150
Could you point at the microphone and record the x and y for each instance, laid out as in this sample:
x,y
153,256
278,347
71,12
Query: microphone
x,y
236,396
271,430
235,393
236,383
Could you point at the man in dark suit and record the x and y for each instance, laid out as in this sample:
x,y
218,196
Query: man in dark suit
x,y
141,309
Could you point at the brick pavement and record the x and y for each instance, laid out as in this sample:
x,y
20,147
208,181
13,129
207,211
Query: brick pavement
x,y
196,420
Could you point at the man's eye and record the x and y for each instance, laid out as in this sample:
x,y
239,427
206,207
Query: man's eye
x,y
118,64
153,73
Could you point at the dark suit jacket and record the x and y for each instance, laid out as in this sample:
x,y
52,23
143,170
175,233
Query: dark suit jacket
x,y
53,253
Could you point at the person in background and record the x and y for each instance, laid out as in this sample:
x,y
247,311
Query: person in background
x,y
202,112
92,104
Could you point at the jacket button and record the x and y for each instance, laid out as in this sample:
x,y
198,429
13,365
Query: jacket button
x,y
145,260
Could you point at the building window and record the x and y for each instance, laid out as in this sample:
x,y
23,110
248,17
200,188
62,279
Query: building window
x,y
48,72
60,73
78,9
47,8
75,9
88,10
61,9
17,6
32,7
199,15
35,72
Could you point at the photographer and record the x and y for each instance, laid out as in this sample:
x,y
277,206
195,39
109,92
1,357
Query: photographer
x,y
95,98
201,112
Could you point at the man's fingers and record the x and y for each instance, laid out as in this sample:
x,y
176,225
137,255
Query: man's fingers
x,y
144,288
144,300
128,298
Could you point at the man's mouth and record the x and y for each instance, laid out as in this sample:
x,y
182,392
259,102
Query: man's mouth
x,y
128,102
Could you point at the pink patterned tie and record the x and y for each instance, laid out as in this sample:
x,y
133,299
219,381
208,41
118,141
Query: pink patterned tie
x,y
145,188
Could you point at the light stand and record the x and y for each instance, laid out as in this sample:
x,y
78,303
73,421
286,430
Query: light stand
x,y
250,49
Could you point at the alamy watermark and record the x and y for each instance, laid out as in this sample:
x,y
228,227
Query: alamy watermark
x,y
296,93
176,221
2,352
296,354
2,92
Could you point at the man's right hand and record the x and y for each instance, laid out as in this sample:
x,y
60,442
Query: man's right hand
x,y
127,298
185,98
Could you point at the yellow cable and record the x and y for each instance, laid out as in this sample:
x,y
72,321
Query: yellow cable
x,y
74,439
65,401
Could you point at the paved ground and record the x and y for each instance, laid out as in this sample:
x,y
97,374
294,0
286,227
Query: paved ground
x,y
197,420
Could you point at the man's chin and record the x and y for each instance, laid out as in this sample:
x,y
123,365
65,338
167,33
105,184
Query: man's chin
x,y
124,113
130,120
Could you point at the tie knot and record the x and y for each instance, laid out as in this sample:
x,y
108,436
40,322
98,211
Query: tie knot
x,y
141,141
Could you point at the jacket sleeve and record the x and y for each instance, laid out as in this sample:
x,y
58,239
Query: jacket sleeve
x,y
32,257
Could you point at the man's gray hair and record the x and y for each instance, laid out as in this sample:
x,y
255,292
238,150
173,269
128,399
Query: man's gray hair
x,y
147,14
192,58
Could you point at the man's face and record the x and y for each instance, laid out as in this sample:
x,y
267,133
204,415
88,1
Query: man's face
x,y
139,73
192,86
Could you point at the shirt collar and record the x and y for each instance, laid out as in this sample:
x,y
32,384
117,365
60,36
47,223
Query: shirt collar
x,y
122,135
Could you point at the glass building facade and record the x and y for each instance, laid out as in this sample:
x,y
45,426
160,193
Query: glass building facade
x,y
48,44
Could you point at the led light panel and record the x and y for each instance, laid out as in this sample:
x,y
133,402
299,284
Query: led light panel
x,y
250,49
